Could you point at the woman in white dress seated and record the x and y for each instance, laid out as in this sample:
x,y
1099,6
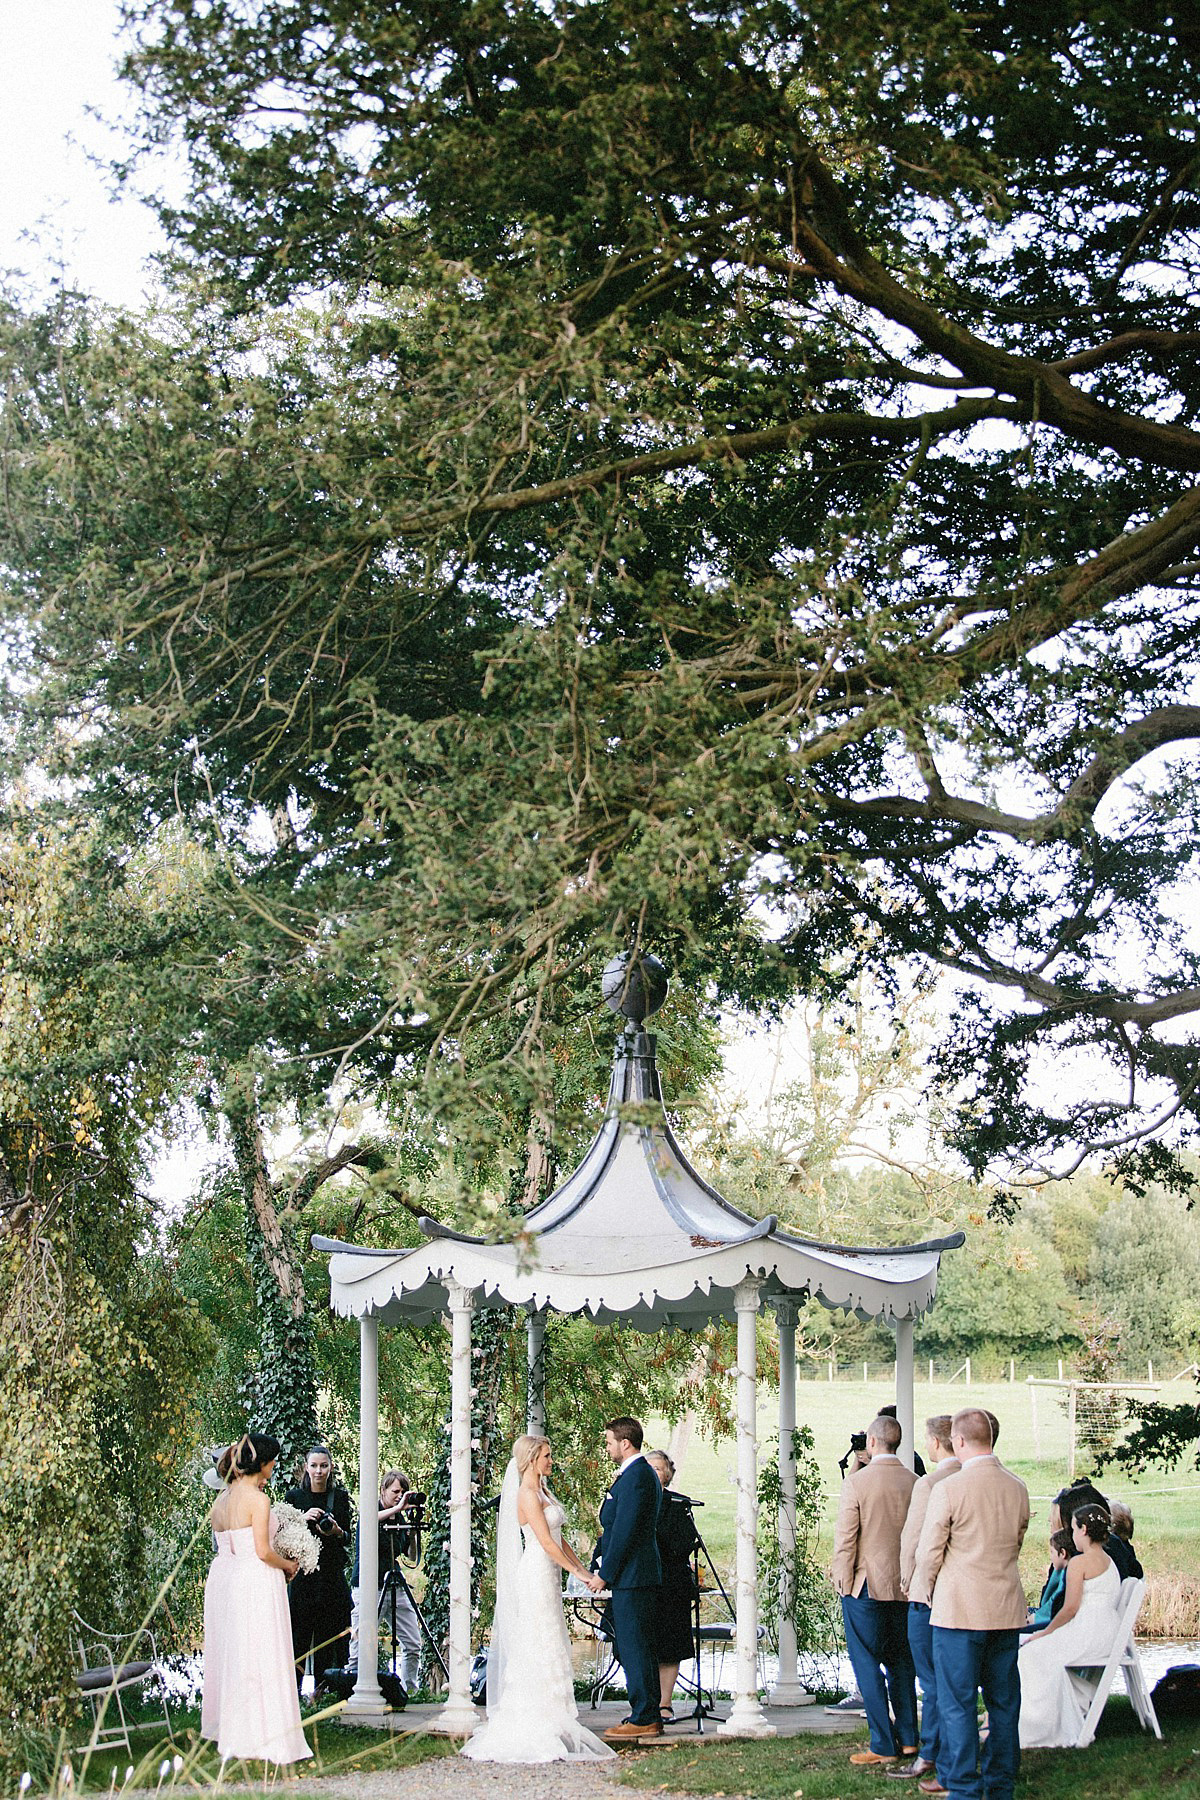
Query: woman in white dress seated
x,y
1053,1701
249,1705
532,1716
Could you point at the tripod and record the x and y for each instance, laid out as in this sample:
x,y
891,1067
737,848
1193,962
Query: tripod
x,y
395,1582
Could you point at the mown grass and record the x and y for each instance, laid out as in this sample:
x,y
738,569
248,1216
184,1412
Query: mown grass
x,y
1166,1505
1122,1764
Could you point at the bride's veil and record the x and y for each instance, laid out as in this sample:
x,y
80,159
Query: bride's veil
x,y
509,1549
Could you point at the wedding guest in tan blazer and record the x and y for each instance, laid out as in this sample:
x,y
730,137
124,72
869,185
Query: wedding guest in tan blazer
x,y
940,1454
866,1573
966,1572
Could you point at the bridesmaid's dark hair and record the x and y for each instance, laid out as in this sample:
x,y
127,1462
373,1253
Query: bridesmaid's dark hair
x,y
250,1454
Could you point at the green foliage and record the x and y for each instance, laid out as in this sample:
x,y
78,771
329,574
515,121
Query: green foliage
x,y
1145,1271
100,1354
750,461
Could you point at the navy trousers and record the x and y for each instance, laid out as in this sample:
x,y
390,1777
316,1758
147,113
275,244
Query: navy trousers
x,y
877,1643
920,1643
966,1663
633,1612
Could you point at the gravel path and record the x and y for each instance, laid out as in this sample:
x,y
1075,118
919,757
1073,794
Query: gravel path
x,y
454,1778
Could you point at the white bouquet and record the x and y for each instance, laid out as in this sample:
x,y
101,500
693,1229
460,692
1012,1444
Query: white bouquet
x,y
291,1537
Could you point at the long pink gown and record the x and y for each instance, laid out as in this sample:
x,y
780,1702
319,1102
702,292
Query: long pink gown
x,y
250,1706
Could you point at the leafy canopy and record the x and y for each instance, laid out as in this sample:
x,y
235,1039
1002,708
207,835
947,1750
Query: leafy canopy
x,y
735,479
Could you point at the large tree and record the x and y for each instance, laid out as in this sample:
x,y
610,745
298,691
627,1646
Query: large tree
x,y
736,481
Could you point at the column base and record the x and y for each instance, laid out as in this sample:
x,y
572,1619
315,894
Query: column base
x,y
790,1693
747,1720
458,1718
368,1705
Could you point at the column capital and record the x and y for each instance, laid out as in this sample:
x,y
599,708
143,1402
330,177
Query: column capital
x,y
747,1294
786,1309
461,1298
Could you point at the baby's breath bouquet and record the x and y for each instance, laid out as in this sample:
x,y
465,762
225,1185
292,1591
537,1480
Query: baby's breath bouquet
x,y
292,1538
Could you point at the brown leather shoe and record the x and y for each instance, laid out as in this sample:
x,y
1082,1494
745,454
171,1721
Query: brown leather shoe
x,y
629,1733
909,1771
932,1786
870,1759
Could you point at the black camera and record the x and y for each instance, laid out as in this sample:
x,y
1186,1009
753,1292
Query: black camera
x,y
326,1524
858,1446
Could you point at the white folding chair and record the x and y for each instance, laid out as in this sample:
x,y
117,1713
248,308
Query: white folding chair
x,y
1122,1655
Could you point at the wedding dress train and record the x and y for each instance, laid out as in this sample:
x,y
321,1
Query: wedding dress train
x,y
532,1716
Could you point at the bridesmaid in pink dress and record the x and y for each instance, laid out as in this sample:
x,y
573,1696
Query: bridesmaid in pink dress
x,y
249,1706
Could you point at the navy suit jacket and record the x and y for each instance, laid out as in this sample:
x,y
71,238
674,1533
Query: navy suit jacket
x,y
628,1522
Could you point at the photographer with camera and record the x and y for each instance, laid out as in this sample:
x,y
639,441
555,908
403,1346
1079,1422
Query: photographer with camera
x,y
320,1602
401,1516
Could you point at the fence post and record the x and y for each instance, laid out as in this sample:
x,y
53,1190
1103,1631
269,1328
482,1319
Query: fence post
x,y
1060,1368
968,1371
1150,1371
831,1365
1012,1374
931,1371
1074,1393
864,1374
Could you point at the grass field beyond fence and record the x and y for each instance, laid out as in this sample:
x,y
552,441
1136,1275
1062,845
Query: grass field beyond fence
x,y
1165,1504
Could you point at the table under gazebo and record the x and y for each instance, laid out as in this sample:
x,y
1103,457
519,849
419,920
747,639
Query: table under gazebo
x,y
635,1235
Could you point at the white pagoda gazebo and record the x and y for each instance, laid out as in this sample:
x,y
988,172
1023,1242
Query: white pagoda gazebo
x,y
634,1234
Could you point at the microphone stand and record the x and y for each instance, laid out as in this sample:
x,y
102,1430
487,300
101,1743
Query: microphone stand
x,y
701,1710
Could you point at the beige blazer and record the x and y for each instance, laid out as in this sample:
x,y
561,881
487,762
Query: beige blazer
x,y
918,1506
866,1537
966,1566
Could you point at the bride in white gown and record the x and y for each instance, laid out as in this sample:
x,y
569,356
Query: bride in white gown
x,y
1053,1701
532,1716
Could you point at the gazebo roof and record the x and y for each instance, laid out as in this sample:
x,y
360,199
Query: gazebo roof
x,y
634,1234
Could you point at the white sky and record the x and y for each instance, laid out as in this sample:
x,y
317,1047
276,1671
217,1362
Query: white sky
x,y
57,59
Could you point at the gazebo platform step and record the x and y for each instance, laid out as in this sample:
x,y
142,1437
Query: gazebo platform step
x,y
789,1721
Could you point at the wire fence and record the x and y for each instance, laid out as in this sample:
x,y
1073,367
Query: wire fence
x,y
941,1371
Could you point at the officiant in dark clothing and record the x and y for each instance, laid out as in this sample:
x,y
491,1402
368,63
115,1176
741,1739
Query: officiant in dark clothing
x,y
320,1602
677,1537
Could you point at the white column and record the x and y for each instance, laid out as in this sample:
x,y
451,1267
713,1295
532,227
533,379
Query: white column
x,y
367,1697
535,1380
787,1690
747,1718
459,1716
904,1390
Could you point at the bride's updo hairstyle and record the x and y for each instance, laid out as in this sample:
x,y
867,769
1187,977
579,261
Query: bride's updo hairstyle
x,y
525,1449
1095,1521
248,1456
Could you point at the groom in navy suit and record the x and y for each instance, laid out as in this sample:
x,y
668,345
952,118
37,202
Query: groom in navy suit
x,y
630,1565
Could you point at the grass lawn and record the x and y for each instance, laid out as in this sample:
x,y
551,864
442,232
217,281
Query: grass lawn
x,y
337,1750
1122,1764
1166,1506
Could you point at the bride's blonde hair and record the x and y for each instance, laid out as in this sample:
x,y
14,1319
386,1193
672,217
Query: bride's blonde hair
x,y
525,1449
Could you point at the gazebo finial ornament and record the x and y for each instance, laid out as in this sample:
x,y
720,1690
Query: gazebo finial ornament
x,y
634,984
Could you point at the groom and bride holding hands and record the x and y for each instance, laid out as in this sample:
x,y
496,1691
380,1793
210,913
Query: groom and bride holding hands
x,y
531,1711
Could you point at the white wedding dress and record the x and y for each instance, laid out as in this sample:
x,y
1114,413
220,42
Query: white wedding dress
x,y
532,1716
1053,1701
